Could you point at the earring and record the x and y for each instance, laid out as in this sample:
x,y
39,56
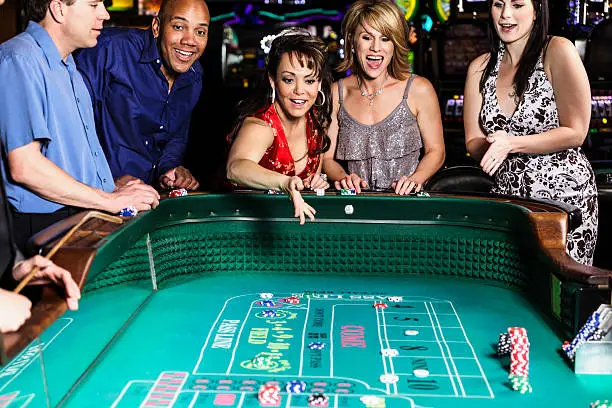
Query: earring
x,y
323,99
273,95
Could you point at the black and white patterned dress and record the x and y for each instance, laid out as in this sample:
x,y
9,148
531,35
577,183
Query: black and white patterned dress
x,y
564,176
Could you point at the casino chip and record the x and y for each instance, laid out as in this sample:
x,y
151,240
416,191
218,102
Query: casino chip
x,y
395,299
388,352
261,361
129,211
179,192
293,300
380,305
388,378
422,194
316,345
520,383
372,400
348,209
268,303
601,404
320,191
266,295
504,344
346,191
410,332
269,313
295,387
318,400
269,395
420,372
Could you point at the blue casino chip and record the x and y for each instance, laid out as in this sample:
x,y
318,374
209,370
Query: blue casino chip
x,y
268,303
316,345
128,211
295,387
269,313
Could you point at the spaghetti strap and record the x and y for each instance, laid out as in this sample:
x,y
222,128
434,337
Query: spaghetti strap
x,y
407,86
340,91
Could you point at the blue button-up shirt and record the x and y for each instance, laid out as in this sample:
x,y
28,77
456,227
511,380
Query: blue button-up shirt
x,y
43,98
142,127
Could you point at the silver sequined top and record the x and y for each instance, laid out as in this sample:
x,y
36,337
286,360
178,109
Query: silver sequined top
x,y
383,152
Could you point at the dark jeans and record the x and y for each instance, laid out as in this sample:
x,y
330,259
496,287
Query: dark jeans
x,y
25,225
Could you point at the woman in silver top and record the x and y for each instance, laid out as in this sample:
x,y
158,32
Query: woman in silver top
x,y
382,115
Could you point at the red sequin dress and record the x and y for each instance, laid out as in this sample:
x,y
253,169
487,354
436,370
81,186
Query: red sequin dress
x,y
278,156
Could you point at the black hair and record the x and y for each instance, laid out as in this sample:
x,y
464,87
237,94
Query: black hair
x,y
308,50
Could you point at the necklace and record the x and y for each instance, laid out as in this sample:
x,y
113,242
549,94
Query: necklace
x,y
370,96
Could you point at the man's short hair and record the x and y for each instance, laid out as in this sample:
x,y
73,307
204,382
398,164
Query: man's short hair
x,y
36,10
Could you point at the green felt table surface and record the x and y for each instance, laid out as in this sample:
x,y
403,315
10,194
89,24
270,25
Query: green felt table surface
x,y
203,332
465,270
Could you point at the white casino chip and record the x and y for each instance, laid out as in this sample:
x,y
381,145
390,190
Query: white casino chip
x,y
389,378
266,295
348,209
421,373
395,298
389,352
411,332
371,400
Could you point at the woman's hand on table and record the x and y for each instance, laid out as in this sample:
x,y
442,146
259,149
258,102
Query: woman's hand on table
x,y
316,182
14,311
406,185
351,182
49,272
293,187
499,148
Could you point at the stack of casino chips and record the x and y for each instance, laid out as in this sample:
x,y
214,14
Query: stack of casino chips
x,y
601,404
318,400
178,192
295,387
516,344
261,361
597,326
269,395
129,211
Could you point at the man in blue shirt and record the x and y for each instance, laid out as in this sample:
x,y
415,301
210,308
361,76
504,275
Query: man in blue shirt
x,y
51,156
144,85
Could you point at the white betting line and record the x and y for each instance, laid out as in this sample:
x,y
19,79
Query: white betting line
x,y
442,351
212,330
450,355
381,347
473,352
384,321
39,350
304,338
127,386
194,399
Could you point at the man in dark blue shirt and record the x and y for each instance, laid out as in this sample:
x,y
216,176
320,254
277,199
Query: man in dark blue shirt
x,y
144,85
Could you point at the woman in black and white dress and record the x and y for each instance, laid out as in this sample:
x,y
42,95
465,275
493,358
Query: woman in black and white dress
x,y
526,113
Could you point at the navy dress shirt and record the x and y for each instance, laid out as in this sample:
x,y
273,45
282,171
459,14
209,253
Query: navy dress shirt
x,y
142,127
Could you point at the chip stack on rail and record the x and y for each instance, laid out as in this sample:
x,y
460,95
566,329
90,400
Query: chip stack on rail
x,y
269,395
601,404
596,328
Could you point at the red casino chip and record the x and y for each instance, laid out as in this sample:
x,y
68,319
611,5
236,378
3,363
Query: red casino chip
x,y
179,192
269,395
519,354
380,305
294,300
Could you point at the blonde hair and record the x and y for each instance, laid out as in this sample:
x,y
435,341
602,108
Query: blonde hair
x,y
384,17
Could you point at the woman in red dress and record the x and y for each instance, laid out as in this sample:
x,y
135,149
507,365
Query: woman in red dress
x,y
281,133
